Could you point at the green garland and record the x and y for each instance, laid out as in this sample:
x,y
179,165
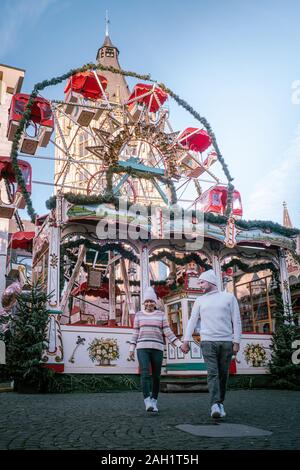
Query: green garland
x,y
66,247
90,66
180,261
100,249
249,269
268,225
14,155
81,199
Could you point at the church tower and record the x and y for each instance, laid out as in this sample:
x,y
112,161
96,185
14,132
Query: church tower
x,y
73,142
108,55
286,217
293,266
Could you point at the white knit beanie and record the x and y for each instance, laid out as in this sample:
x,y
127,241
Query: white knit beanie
x,y
209,276
149,294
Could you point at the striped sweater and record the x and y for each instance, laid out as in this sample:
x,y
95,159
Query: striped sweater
x,y
150,329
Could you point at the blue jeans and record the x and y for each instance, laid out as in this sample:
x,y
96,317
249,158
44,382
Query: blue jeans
x,y
147,357
217,356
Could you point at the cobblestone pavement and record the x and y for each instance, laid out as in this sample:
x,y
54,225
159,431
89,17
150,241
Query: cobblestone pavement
x,y
118,421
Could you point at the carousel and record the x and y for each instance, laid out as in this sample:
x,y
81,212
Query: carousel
x,y
138,203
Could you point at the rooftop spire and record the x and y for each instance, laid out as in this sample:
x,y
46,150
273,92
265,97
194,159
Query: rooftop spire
x,y
286,216
107,55
107,41
107,23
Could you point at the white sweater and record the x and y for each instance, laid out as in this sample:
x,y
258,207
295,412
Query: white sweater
x,y
219,316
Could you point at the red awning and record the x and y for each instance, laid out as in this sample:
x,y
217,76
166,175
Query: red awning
x,y
195,139
22,240
7,169
154,98
102,291
40,112
87,85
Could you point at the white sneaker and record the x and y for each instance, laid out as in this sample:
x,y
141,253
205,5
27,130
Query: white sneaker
x,y
223,414
148,404
154,404
215,411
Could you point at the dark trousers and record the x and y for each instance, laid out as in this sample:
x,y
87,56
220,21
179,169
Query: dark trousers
x,y
147,357
217,356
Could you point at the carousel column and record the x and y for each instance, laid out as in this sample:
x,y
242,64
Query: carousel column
x,y
144,270
53,356
112,290
4,229
284,281
129,319
217,269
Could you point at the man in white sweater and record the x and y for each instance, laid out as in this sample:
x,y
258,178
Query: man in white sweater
x,y
220,333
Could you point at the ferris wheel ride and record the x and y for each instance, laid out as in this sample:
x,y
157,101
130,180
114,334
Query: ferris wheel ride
x,y
133,139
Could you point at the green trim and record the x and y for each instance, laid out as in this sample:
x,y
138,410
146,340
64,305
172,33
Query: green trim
x,y
186,366
180,261
249,269
209,218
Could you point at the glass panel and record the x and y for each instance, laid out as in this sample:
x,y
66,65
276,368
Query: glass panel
x,y
175,318
255,308
20,106
26,175
236,202
216,199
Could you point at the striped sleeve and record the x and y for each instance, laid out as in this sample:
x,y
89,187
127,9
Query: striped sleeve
x,y
136,332
169,333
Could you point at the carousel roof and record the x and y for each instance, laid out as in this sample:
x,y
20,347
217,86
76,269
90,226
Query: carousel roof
x,y
195,139
22,240
86,84
152,96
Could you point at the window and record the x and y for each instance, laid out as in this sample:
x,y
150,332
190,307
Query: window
x,y
109,52
255,305
83,143
175,318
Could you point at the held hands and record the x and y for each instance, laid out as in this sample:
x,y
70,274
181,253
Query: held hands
x,y
131,356
185,347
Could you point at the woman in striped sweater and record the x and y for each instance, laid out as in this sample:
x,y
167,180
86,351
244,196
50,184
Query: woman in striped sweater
x,y
150,327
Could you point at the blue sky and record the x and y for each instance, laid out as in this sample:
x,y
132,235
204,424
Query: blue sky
x,y
233,61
